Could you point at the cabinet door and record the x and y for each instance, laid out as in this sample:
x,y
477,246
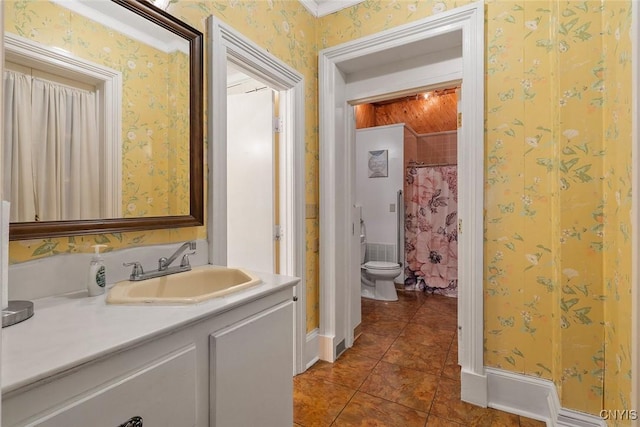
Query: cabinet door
x,y
251,378
161,394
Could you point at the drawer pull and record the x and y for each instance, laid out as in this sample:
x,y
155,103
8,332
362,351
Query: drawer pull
x,y
132,422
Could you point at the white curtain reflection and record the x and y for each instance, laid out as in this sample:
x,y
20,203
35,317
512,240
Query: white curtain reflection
x,y
19,185
54,151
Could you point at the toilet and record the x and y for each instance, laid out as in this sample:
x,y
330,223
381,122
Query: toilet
x,y
376,278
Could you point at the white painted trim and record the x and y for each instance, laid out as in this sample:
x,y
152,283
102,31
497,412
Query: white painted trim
x,y
334,173
320,8
127,22
635,211
225,44
108,84
473,386
4,266
312,349
534,398
326,346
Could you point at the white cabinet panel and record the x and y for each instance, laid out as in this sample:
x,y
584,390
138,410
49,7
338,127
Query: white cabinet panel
x,y
162,393
251,381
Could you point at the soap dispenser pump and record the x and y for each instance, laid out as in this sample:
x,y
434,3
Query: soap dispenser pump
x,y
97,278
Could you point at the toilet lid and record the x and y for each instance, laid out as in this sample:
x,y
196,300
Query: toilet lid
x,y
381,265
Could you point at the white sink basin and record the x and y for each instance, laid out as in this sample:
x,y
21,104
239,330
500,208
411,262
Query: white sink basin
x,y
189,287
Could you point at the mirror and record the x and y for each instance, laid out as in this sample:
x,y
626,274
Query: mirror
x,y
145,168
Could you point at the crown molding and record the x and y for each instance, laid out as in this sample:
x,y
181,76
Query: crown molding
x,y
320,8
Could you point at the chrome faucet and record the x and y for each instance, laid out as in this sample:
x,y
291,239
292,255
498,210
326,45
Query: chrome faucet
x,y
164,264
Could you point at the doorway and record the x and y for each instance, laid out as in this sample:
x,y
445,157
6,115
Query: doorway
x,y
227,46
252,174
411,213
430,53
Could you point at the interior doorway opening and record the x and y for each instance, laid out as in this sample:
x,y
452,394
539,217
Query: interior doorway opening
x,y
415,206
253,229
438,50
227,46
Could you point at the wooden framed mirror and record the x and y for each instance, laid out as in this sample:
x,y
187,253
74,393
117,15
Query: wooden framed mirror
x,y
160,188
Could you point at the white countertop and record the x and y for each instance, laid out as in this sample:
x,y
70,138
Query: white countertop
x,y
72,329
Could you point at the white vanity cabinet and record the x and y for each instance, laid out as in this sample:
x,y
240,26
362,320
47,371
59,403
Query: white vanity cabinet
x,y
252,370
228,367
160,393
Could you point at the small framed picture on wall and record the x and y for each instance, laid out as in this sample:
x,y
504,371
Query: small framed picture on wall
x,y
378,164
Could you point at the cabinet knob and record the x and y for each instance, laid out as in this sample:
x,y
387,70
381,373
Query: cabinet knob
x,y
295,299
132,422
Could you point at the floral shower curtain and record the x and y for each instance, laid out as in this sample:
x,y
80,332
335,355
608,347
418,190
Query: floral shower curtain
x,y
431,235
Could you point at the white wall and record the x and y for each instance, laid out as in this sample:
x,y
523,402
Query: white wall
x,y
375,195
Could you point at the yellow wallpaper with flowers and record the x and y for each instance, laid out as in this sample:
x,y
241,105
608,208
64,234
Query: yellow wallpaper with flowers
x,y
557,179
557,186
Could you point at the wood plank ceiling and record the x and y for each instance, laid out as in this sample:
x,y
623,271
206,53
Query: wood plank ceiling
x,y
435,111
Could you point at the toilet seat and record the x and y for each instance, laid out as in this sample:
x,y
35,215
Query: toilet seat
x,y
381,265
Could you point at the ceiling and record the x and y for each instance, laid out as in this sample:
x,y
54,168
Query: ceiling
x,y
319,8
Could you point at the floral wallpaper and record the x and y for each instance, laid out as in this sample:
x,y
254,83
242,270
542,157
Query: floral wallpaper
x,y
557,186
557,179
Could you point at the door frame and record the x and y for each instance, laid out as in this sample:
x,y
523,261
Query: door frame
x,y
635,216
336,198
226,44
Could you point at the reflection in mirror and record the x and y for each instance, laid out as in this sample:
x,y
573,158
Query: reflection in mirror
x,y
101,107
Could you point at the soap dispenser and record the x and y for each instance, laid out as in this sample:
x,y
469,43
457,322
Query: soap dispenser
x,y
97,277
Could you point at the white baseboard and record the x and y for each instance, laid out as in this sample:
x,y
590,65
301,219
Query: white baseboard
x,y
312,349
474,388
534,398
326,347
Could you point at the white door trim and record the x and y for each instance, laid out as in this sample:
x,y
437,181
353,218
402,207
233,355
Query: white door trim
x,y
635,216
226,44
335,200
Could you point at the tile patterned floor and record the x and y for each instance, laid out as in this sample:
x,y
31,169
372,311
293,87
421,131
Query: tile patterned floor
x,y
402,371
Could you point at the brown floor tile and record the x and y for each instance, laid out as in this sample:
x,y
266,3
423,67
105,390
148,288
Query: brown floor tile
x,y
317,402
404,366
412,298
370,411
375,315
434,421
426,358
400,312
390,328
451,368
528,422
428,336
349,370
405,386
371,345
504,419
442,303
447,405
436,320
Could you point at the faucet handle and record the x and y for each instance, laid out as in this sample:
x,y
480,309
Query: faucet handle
x,y
137,269
185,259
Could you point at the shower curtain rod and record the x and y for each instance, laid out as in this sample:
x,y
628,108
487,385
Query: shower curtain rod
x,y
424,165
